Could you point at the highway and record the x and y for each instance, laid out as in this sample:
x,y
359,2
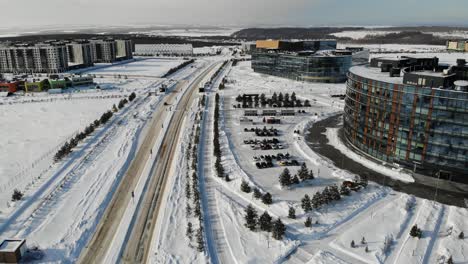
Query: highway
x,y
137,247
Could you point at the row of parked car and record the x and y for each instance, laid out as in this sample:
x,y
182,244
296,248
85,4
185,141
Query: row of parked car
x,y
265,132
266,161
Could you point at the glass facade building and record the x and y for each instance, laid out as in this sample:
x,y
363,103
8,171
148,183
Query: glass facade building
x,y
420,127
296,66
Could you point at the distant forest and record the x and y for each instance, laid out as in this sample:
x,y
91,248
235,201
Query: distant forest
x,y
408,35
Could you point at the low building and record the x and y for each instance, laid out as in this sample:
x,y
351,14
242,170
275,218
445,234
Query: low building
x,y
164,50
410,111
457,45
82,80
311,61
11,87
36,86
12,250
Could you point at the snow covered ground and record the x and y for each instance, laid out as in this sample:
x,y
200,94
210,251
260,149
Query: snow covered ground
x,y
62,207
150,66
360,34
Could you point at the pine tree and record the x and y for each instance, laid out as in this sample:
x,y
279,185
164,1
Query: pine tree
x,y
303,172
344,190
226,178
306,204
292,213
450,260
285,178
308,222
267,199
188,210
264,222
245,187
367,249
256,193
293,96
250,217
295,180
197,210
279,229
114,108
415,231
461,235
363,241
310,176
187,190
353,244
200,242
189,231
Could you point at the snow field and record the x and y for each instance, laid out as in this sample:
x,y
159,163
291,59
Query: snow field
x,y
150,66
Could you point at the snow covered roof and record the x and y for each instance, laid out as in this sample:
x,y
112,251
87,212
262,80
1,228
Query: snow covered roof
x,y
375,74
11,245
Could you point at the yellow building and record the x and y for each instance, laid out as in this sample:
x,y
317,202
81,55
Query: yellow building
x,y
36,86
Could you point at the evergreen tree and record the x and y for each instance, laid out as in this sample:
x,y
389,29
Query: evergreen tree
x,y
226,178
200,242
280,97
344,190
461,235
450,260
264,222
285,178
187,190
256,193
353,244
267,199
188,210
415,231
334,193
274,97
250,217
306,203
189,231
197,210
292,213
245,187
114,108
279,229
303,172
295,180
317,200
363,241
293,96
308,222
367,249
310,176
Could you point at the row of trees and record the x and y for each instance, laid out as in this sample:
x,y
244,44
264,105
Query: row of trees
x,y
303,174
216,144
173,70
264,222
192,191
257,194
276,100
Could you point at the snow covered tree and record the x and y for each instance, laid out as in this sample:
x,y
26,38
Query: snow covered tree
x,y
295,180
17,195
226,178
292,213
264,222
367,249
303,172
285,178
188,210
279,229
256,193
245,187
189,231
334,193
200,242
251,217
461,235
308,222
450,260
310,176
188,193
317,200
306,203
267,199
344,190
415,231
353,245
197,210
293,96
363,241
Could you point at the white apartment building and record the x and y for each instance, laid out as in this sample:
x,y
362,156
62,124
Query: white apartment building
x,y
164,49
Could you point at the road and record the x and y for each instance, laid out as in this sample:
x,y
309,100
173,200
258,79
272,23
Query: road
x,y
137,246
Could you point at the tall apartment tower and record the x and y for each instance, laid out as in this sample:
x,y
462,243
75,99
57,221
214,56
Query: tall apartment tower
x,y
103,50
124,49
79,53
27,58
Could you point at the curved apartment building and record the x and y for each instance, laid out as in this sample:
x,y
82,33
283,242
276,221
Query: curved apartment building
x,y
410,111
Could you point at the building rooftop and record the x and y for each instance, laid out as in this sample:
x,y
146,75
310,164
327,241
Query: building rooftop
x,y
10,245
375,74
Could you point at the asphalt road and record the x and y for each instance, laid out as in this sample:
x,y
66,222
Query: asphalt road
x,y
137,247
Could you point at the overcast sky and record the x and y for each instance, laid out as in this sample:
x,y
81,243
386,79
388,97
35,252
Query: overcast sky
x,y
25,13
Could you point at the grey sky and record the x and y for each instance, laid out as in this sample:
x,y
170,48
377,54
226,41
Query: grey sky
x,y
23,13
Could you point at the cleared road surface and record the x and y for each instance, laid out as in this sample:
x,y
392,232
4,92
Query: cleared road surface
x,y
137,247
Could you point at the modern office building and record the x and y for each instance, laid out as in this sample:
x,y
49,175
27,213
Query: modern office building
x,y
164,50
311,61
412,112
457,45
50,57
